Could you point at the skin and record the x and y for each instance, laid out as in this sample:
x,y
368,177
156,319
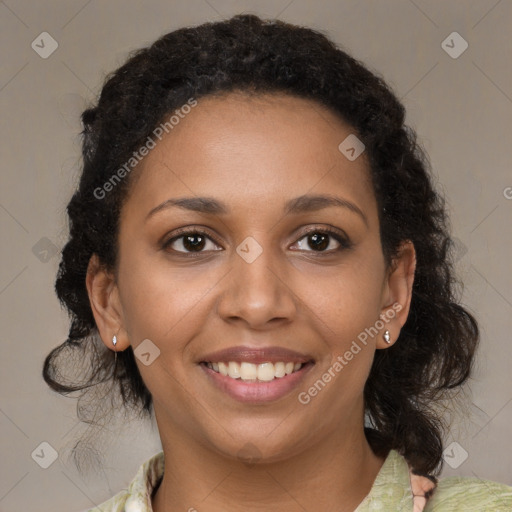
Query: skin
x,y
254,154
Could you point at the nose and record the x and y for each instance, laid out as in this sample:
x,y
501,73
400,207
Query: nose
x,y
258,293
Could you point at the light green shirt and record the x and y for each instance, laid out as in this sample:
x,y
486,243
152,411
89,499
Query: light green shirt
x,y
391,491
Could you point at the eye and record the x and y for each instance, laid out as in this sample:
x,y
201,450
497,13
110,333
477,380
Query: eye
x,y
190,241
320,240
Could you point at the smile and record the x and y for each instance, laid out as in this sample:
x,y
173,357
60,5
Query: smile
x,y
255,383
249,372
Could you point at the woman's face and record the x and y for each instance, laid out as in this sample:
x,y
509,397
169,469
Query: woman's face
x,y
257,271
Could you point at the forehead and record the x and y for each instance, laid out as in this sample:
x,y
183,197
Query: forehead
x,y
248,149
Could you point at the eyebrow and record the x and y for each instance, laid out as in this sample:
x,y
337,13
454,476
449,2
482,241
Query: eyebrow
x,y
302,204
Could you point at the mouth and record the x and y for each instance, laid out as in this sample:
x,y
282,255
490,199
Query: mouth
x,y
250,372
256,376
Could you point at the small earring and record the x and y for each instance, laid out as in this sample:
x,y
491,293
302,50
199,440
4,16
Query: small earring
x,y
386,336
114,342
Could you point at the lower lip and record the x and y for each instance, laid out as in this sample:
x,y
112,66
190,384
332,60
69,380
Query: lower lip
x,y
257,392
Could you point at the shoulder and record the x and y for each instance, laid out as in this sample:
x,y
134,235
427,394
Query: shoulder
x,y
137,496
470,495
115,504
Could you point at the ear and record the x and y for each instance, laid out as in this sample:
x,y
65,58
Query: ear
x,y
397,294
105,304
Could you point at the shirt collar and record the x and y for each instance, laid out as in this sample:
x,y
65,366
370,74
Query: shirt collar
x,y
391,489
142,486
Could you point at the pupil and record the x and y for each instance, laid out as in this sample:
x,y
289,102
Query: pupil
x,y
193,246
319,238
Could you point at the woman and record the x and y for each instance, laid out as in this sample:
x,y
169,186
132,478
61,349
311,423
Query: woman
x,y
257,242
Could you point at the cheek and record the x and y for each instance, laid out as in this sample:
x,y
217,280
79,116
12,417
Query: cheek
x,y
159,302
168,308
346,306
344,320
348,301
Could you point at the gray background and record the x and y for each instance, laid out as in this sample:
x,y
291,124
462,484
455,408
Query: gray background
x,y
460,107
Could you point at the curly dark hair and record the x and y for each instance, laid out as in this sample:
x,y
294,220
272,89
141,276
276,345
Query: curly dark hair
x,y
434,353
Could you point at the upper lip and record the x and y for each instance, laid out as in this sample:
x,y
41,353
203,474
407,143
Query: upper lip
x,y
256,355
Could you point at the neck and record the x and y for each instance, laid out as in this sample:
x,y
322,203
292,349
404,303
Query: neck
x,y
334,473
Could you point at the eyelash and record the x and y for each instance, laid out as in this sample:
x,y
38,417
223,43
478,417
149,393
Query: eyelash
x,y
344,241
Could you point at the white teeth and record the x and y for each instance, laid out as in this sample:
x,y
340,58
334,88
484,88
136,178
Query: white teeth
x,y
255,372
266,371
234,370
279,370
223,369
248,371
